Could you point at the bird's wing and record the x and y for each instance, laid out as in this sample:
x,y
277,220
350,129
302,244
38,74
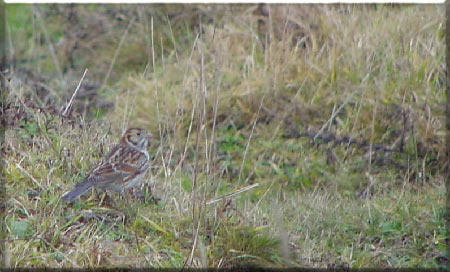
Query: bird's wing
x,y
127,155
121,162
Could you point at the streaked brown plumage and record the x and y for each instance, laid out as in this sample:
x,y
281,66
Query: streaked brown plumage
x,y
122,168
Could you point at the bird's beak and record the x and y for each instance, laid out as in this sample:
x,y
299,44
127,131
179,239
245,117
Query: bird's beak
x,y
149,136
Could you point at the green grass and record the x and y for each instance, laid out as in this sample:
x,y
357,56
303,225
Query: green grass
x,y
228,108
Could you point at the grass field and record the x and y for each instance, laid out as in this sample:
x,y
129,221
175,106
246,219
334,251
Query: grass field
x,y
286,136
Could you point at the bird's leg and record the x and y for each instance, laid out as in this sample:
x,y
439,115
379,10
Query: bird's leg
x,y
144,194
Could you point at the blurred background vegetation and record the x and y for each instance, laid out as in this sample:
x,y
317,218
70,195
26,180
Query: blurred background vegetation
x,y
287,135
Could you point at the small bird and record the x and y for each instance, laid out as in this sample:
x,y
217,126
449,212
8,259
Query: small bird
x,y
122,168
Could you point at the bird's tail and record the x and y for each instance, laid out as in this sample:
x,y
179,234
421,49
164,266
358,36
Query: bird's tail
x,y
79,189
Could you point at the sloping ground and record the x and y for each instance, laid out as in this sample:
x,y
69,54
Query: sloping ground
x,y
289,135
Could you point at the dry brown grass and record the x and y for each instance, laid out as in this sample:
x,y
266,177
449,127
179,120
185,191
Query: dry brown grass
x,y
236,94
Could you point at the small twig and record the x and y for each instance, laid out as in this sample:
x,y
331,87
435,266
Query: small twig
x,y
30,176
403,137
262,197
158,112
251,134
333,116
232,194
49,44
173,39
193,109
372,135
116,53
69,105
194,191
